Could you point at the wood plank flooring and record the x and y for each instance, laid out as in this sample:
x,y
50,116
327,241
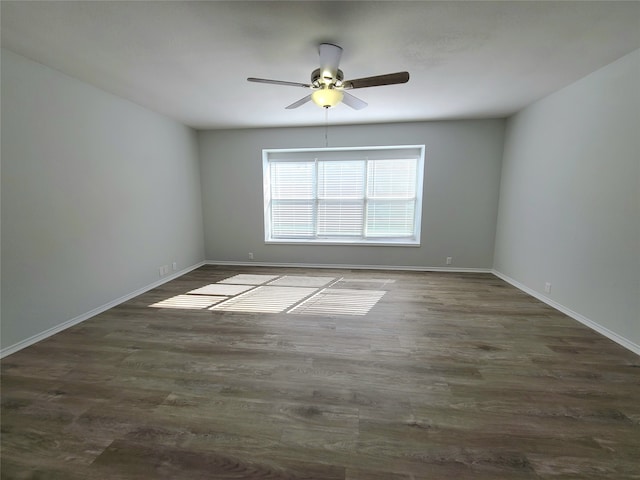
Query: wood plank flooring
x,y
448,376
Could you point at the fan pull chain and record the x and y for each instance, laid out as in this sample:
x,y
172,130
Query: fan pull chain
x,y
326,127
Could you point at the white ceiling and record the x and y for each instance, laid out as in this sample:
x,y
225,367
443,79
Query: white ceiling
x,y
190,60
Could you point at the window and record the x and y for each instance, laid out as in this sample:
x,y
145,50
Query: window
x,y
360,195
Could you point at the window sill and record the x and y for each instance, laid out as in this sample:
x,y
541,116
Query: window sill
x,y
369,243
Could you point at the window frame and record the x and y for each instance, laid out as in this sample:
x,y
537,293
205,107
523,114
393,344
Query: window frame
x,y
391,152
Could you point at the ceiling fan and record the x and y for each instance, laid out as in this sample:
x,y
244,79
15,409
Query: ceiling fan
x,y
328,84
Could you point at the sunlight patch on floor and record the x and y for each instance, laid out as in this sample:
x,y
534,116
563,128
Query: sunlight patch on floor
x,y
219,289
302,281
339,302
247,279
266,299
298,294
197,302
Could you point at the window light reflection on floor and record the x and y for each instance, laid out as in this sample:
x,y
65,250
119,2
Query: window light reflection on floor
x,y
266,299
189,301
220,289
302,281
339,302
297,294
246,279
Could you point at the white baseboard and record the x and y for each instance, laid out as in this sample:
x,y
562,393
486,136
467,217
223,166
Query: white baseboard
x,y
92,313
342,266
628,344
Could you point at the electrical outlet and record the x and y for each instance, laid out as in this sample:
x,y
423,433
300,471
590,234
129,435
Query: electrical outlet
x,y
449,260
547,287
174,265
250,255
160,271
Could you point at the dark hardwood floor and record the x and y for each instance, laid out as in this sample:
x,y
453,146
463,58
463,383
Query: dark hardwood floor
x,y
448,376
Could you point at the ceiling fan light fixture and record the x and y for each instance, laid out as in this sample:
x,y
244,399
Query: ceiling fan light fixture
x,y
328,84
327,97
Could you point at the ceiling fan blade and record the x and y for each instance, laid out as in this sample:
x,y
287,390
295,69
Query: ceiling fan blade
x,y
299,103
278,82
329,59
378,80
353,102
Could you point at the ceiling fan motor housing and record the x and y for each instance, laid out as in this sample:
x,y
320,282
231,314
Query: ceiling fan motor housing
x,y
317,80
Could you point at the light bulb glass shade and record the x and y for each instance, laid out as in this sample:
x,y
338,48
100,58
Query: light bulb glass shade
x,y
327,97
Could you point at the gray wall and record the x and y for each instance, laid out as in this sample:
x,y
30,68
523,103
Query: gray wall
x,y
570,198
462,177
97,193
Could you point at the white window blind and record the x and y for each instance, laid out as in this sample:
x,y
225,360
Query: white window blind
x,y
340,198
391,190
292,199
353,195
